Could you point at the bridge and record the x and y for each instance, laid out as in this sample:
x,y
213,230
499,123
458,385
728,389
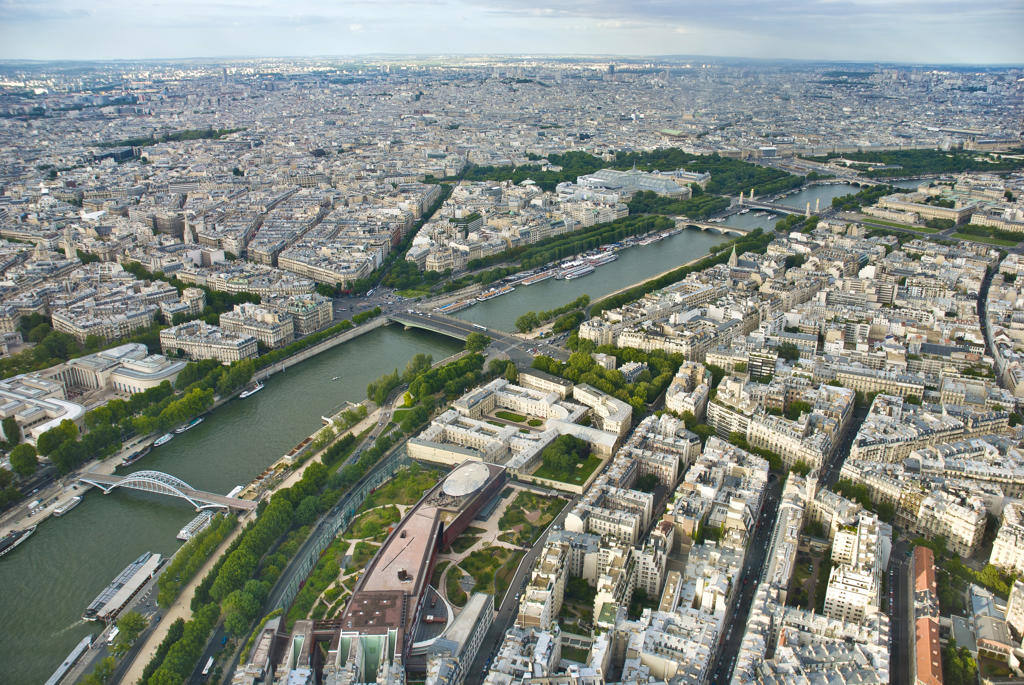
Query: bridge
x,y
166,484
773,207
511,344
710,227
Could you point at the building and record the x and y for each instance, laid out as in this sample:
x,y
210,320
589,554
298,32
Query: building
x,y
37,404
310,312
451,655
200,340
926,665
860,556
125,369
272,327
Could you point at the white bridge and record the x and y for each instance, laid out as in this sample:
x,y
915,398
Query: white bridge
x,y
166,484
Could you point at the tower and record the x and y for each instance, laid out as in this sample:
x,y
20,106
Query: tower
x,y
817,204
807,211
733,259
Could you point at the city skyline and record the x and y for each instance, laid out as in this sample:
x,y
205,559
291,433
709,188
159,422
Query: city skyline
x,y
857,30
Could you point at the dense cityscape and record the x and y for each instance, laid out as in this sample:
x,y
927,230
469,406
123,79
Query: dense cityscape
x,y
511,370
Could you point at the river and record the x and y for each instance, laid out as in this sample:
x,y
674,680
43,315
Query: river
x,y
633,264
48,581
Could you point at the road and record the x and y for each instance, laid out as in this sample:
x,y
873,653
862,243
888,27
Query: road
x,y
753,564
901,625
518,349
510,605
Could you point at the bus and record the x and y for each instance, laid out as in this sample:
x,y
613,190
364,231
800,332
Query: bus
x,y
209,665
482,328
112,635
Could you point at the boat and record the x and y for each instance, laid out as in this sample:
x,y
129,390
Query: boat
x,y
124,586
163,440
600,260
494,292
15,538
537,278
336,378
195,526
135,456
190,425
578,272
453,307
70,660
649,240
68,506
251,390
744,211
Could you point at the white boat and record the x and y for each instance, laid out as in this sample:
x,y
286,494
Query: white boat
x,y
163,439
189,426
578,272
252,390
68,506
195,526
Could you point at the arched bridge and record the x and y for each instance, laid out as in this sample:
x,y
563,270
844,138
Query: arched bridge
x,y
166,484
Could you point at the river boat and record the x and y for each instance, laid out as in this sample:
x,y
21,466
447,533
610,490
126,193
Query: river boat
x,y
602,259
15,538
251,390
494,292
190,425
744,211
537,278
70,660
195,526
68,506
135,456
113,597
163,439
578,272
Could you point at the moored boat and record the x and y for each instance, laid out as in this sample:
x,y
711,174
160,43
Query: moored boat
x,y
68,506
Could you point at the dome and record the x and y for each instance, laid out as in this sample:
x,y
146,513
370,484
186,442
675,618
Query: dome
x,y
465,479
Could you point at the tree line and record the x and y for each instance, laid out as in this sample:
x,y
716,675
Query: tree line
x,y
239,583
755,241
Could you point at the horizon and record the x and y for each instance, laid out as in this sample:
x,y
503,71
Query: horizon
x,y
862,31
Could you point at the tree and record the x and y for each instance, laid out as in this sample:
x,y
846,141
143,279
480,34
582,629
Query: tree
x,y
131,625
12,433
788,351
563,453
23,460
646,483
476,342
102,674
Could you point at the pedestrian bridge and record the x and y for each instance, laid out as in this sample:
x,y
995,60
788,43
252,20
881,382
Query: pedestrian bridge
x,y
166,484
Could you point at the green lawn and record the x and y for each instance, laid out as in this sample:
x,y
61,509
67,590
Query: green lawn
x,y
492,569
509,416
988,240
583,471
534,423
456,595
361,556
435,579
412,292
406,487
516,522
373,523
919,229
463,542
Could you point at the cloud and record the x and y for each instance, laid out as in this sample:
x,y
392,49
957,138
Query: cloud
x,y
870,30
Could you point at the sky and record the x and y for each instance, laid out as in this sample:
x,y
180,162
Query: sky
x,y
931,31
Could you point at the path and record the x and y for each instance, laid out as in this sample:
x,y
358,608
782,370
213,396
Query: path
x,y
180,609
